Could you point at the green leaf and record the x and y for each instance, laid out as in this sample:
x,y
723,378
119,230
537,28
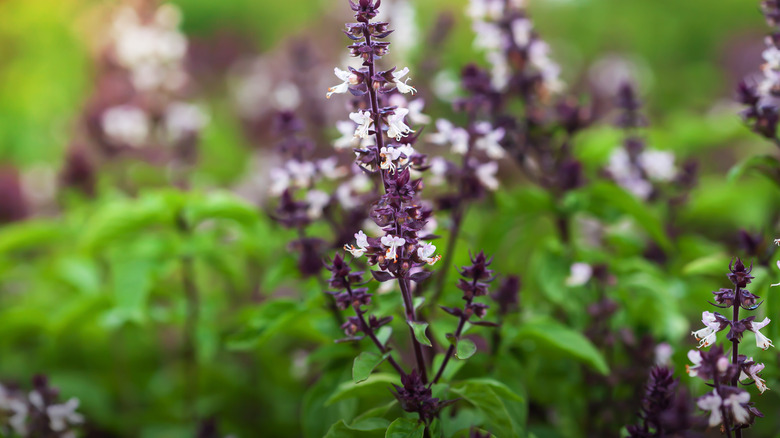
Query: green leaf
x,y
419,332
499,388
552,334
465,348
28,234
767,165
496,413
266,320
405,428
343,430
221,205
376,383
611,196
122,219
709,264
371,423
365,363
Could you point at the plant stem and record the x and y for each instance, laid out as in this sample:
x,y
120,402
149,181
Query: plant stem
x,y
723,412
463,319
735,347
370,332
189,353
411,317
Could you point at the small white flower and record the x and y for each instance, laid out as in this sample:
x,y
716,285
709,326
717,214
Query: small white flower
x,y
485,9
348,79
736,402
778,264
777,242
772,57
317,200
126,124
449,134
401,85
396,128
392,243
500,73
579,274
707,335
751,372
182,119
386,157
489,36
438,171
663,354
425,252
280,181
416,115
486,174
711,402
364,121
63,414
406,151
330,169
362,244
762,341
695,357
521,31
489,143
301,172
347,140
659,165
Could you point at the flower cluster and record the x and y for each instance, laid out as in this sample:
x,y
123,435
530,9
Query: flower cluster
x,y
37,413
140,103
761,97
475,283
635,167
415,396
517,55
664,410
728,404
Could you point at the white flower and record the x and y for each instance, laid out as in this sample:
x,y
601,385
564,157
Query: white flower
x,y
348,78
438,171
364,121
63,414
772,57
659,165
406,151
736,402
626,175
317,200
301,172
396,128
762,341
330,169
280,181
126,124
521,31
387,155
18,410
751,372
486,174
695,357
711,402
489,143
449,134
416,115
777,242
579,274
489,36
402,87
707,335
362,244
392,243
663,354
347,139
425,252
490,9
182,119
778,263
500,72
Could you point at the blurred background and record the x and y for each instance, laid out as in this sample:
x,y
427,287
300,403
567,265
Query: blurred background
x,y
88,121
